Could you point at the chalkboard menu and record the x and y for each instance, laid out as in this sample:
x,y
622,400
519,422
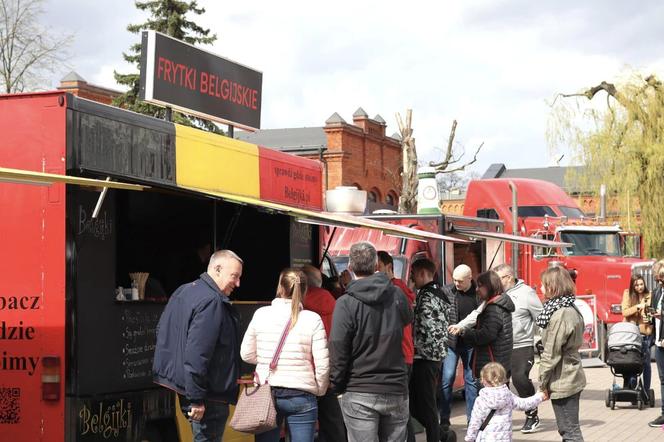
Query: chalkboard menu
x,y
139,336
113,341
301,243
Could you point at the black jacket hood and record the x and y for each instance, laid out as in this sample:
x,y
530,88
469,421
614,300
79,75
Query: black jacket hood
x,y
373,289
503,301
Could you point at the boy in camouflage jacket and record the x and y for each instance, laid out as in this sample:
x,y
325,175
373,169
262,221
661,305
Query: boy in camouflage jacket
x,y
429,336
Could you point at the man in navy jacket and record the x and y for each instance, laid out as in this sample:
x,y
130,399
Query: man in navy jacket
x,y
198,346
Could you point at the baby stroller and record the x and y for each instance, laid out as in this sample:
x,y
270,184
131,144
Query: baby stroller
x,y
626,362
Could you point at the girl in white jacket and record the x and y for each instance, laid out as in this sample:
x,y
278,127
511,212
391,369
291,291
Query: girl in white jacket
x,y
302,372
496,397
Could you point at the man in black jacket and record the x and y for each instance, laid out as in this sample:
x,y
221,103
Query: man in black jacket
x,y
463,300
367,367
198,346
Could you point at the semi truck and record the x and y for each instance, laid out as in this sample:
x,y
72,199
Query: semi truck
x,y
90,194
603,255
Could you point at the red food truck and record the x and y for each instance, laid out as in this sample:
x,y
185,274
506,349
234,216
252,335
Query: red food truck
x,y
90,194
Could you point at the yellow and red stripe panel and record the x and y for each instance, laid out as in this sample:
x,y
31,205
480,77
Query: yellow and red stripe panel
x,y
220,164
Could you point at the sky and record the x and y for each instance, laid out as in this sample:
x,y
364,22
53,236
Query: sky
x,y
493,65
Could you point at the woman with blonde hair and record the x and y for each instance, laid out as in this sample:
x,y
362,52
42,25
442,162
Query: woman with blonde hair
x,y
302,370
561,376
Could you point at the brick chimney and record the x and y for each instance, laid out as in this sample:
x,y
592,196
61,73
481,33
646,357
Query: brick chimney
x,y
375,126
76,85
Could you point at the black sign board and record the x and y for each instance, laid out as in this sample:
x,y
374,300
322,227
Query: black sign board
x,y
179,75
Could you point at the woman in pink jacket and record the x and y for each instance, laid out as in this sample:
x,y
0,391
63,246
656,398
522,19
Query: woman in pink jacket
x,y
302,372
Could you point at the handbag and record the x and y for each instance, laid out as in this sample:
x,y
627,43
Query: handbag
x,y
255,412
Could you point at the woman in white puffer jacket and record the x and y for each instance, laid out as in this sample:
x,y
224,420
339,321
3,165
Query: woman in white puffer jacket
x,y
302,372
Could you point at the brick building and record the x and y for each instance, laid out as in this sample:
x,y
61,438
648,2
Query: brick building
x,y
76,85
358,154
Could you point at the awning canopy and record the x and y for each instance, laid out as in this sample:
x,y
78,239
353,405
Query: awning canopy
x,y
329,219
302,215
511,238
18,176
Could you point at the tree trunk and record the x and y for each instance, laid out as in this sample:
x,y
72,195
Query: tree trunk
x,y
408,198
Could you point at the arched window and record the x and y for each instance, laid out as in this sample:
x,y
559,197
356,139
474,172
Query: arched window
x,y
371,196
391,198
377,197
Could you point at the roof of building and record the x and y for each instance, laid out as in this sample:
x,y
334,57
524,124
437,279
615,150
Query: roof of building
x,y
72,76
298,138
379,119
556,174
360,113
335,118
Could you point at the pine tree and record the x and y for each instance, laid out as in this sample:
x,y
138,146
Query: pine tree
x,y
167,17
622,146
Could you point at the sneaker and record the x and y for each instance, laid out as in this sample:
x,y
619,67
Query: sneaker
x,y
531,425
657,422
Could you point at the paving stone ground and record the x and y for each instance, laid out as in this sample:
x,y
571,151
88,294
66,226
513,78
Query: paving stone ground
x,y
598,423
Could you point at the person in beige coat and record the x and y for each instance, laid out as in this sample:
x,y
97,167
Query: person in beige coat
x,y
302,372
561,375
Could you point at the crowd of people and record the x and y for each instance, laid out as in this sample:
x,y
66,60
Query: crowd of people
x,y
361,366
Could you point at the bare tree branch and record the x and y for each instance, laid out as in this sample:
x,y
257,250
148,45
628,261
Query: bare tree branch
x,y
443,166
28,51
467,164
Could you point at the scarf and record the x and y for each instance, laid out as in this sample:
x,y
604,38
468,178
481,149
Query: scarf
x,y
551,306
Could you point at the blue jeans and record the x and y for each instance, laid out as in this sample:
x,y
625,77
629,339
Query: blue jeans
x,y
375,417
211,427
447,381
299,409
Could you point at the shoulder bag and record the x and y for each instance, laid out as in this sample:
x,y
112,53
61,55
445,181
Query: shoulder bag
x,y
480,433
255,412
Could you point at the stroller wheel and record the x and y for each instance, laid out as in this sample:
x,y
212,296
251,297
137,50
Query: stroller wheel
x,y
651,398
607,400
613,403
639,404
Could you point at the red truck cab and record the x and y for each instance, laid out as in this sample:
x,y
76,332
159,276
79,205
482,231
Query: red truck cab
x,y
600,252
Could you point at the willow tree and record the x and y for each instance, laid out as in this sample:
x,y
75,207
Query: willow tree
x,y
169,17
620,140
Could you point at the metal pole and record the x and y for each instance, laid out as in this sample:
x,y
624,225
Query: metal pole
x,y
231,131
515,229
602,202
169,114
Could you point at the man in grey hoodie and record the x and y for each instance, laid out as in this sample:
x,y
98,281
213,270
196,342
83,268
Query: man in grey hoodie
x,y
527,307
